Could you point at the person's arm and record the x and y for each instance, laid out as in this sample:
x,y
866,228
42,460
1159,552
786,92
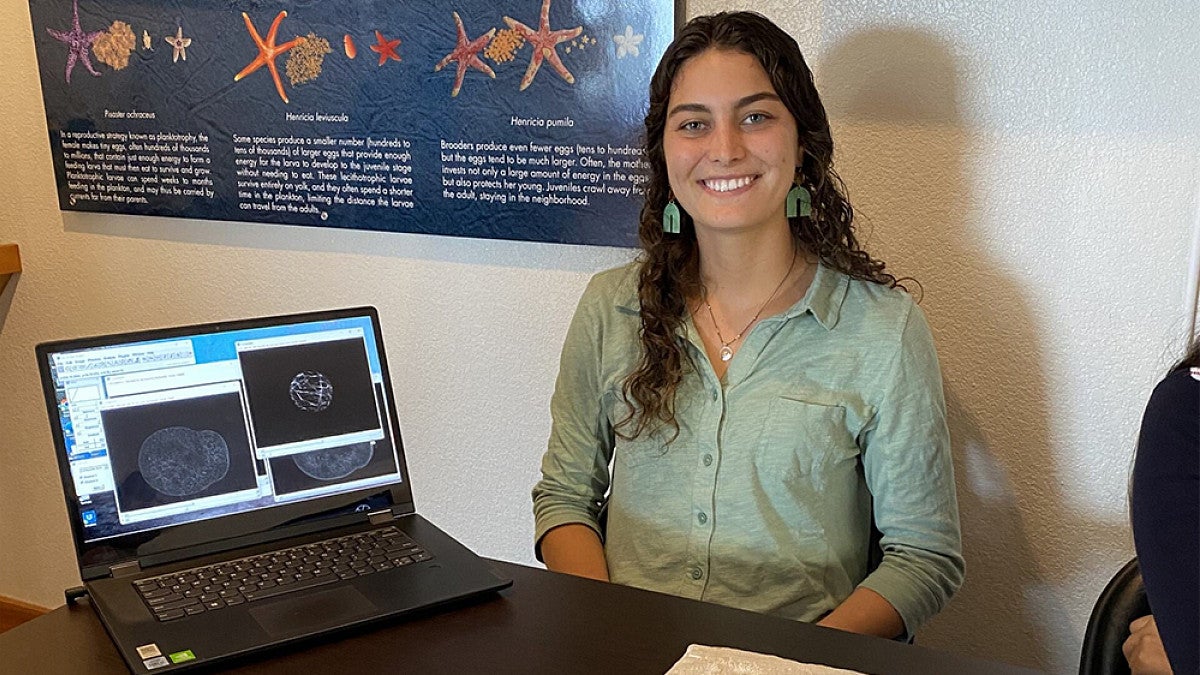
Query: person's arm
x,y
908,470
1144,648
1165,512
575,478
575,549
865,612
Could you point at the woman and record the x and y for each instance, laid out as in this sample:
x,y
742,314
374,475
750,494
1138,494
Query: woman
x,y
764,392
1166,524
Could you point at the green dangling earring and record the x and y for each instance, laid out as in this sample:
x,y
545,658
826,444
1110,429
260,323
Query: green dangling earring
x,y
671,218
799,202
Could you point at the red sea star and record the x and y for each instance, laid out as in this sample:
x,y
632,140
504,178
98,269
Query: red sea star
x,y
267,51
79,43
544,41
467,54
385,48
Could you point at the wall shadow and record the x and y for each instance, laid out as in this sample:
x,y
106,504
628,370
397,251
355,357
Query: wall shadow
x,y
10,282
906,152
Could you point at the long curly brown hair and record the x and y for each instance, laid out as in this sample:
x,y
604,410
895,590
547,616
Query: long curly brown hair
x,y
1191,359
670,263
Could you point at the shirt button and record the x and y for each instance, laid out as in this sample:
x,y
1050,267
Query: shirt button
x,y
697,573
715,396
702,518
707,460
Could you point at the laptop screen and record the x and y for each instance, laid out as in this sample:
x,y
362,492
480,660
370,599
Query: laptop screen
x,y
196,425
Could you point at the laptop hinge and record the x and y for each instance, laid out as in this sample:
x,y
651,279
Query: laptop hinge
x,y
125,569
380,517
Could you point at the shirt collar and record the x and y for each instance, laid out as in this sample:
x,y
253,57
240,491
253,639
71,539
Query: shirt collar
x,y
824,298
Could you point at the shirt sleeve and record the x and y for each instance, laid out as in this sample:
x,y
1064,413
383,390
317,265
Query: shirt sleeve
x,y
1165,507
908,469
575,475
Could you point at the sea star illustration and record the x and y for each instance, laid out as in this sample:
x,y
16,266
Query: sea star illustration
x,y
180,44
544,41
79,43
628,43
385,48
466,52
267,51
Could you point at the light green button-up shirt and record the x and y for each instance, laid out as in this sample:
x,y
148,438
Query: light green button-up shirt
x,y
829,414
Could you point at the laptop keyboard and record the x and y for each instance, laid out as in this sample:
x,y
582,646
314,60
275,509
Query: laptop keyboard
x,y
213,587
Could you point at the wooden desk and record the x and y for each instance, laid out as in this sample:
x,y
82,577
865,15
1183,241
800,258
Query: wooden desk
x,y
545,623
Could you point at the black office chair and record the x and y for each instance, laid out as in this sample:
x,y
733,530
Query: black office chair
x,y
1121,601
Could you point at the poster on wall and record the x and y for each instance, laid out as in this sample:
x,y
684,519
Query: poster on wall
x,y
509,119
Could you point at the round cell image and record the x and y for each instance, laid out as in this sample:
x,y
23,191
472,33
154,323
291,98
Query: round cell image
x,y
334,463
311,391
178,461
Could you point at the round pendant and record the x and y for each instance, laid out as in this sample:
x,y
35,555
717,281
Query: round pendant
x,y
726,353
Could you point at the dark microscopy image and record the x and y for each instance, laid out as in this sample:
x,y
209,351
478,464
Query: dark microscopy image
x,y
304,392
322,468
334,463
168,452
311,391
180,462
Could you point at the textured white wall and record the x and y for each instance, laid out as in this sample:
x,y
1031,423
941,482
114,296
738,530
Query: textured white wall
x,y
1034,166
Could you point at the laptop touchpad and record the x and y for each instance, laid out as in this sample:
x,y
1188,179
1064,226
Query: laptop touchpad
x,y
325,609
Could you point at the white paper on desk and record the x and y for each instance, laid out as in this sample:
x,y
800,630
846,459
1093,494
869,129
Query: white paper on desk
x,y
705,660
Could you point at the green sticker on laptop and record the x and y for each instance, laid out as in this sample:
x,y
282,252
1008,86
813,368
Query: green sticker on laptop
x,y
185,655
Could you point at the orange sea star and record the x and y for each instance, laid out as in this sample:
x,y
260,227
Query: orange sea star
x,y
385,48
267,51
543,41
466,52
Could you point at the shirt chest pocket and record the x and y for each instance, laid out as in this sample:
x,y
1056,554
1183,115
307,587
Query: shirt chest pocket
x,y
806,439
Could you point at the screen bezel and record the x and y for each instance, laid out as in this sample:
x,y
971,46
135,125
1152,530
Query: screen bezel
x,y
234,530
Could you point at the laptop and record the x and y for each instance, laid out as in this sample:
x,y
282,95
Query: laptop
x,y
235,487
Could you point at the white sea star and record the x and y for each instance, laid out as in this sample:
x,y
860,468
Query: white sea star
x,y
628,43
180,44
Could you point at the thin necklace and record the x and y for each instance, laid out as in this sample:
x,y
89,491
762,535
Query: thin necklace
x,y
727,346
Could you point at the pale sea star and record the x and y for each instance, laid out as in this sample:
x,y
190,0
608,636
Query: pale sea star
x,y
180,44
466,53
543,41
267,51
385,48
628,43
79,43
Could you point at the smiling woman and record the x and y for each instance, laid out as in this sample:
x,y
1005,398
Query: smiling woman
x,y
733,151
765,396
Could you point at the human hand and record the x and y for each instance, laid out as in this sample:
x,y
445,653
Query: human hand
x,y
1144,648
